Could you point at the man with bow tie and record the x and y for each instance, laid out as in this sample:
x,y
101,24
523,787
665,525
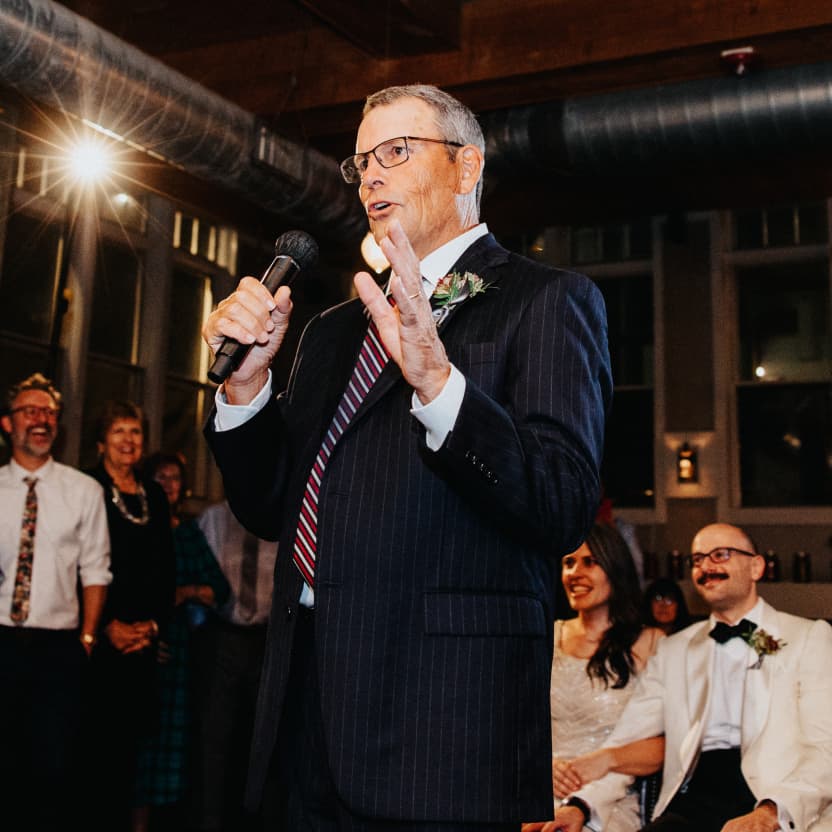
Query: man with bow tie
x,y
744,700
422,474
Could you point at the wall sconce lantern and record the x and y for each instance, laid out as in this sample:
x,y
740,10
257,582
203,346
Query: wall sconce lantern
x,y
687,466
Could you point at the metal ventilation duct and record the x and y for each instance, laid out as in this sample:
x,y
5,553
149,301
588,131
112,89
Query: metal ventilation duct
x,y
61,60
732,119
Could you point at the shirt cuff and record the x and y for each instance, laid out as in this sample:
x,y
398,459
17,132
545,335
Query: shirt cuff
x,y
784,817
230,416
439,416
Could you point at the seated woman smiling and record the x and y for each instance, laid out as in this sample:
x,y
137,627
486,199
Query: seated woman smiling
x,y
597,657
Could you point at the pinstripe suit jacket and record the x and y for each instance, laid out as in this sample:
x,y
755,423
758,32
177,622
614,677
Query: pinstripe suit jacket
x,y
434,580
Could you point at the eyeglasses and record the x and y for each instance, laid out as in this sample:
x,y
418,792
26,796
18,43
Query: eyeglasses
x,y
31,412
664,600
571,561
389,154
721,554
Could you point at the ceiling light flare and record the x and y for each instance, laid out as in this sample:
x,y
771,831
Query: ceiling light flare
x,y
90,161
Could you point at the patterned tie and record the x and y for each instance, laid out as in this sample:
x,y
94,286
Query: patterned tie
x,y
23,576
371,360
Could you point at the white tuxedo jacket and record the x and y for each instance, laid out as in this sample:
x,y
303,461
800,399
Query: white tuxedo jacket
x,y
786,718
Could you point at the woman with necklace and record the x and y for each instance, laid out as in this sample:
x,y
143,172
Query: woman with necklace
x,y
124,691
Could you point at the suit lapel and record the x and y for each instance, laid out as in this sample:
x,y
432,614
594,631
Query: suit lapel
x,y
758,681
698,676
480,258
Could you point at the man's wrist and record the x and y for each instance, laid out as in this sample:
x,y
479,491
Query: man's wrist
x,y
581,805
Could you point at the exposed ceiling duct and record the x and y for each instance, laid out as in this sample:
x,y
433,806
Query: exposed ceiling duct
x,y
739,118
61,60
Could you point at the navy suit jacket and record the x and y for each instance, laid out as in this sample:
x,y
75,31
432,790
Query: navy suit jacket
x,y
435,570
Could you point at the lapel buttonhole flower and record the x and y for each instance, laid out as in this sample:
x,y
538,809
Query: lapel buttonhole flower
x,y
763,644
454,288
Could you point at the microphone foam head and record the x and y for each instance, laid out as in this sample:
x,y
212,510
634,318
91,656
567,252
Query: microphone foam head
x,y
299,246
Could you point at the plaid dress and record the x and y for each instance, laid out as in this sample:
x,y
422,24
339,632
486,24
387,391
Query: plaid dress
x,y
162,759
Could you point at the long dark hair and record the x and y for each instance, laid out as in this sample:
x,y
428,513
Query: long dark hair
x,y
668,588
613,661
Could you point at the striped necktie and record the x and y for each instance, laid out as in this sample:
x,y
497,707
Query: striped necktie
x,y
23,576
371,361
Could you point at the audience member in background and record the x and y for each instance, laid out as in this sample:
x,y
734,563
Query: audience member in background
x,y
162,775
233,662
664,606
597,657
53,538
744,700
124,696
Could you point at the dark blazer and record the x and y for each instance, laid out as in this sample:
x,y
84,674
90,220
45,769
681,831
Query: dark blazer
x,y
435,570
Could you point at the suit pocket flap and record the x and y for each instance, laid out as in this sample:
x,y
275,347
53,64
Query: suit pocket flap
x,y
478,614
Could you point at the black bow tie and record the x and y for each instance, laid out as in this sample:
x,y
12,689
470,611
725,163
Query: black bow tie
x,y
723,632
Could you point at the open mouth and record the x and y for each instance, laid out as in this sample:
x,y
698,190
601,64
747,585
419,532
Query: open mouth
x,y
375,208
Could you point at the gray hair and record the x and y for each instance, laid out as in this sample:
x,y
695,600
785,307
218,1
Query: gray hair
x,y
455,121
36,381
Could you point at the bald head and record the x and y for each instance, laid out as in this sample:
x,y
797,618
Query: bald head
x,y
721,534
728,587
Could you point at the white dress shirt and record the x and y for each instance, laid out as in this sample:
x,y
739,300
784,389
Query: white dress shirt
x,y
438,416
72,541
731,663
225,536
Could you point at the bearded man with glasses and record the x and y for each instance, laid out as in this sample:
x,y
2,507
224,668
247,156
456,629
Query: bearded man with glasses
x,y
744,701
423,474
53,538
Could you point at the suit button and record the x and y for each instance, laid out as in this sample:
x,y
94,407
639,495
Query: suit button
x,y
289,613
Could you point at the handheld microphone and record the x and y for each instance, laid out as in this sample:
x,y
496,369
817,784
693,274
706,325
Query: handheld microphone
x,y
294,250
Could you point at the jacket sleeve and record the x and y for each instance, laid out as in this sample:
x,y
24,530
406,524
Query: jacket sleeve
x,y
531,456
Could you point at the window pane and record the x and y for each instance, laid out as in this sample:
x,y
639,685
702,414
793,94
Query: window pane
x,y
27,282
813,225
784,322
182,429
780,222
749,229
115,303
629,302
627,469
187,306
786,444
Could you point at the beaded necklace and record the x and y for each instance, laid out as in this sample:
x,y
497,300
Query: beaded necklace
x,y
125,512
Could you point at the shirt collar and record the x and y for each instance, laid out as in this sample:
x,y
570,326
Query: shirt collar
x,y
438,263
19,472
754,615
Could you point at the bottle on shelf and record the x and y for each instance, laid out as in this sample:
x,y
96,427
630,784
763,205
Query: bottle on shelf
x,y
772,572
801,567
675,565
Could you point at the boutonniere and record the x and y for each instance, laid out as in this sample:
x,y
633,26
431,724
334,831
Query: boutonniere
x,y
452,289
763,644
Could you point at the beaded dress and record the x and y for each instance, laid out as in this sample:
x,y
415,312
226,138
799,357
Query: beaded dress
x,y
584,712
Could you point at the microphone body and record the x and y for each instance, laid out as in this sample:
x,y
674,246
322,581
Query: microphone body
x,y
295,250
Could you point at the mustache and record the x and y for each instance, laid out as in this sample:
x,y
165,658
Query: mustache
x,y
711,576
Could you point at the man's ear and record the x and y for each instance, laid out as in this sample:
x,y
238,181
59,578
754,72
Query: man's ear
x,y
758,567
470,168
6,424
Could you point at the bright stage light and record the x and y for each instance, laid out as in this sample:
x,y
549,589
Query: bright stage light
x,y
90,161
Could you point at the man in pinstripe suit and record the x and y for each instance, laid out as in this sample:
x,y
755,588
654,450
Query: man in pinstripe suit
x,y
405,685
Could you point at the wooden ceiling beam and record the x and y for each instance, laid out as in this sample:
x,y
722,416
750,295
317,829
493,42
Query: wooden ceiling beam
x,y
519,40
396,27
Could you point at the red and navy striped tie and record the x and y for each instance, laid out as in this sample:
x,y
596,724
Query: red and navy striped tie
x,y
371,360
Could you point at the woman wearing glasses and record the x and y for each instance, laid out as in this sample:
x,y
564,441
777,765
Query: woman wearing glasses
x,y
597,657
664,606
